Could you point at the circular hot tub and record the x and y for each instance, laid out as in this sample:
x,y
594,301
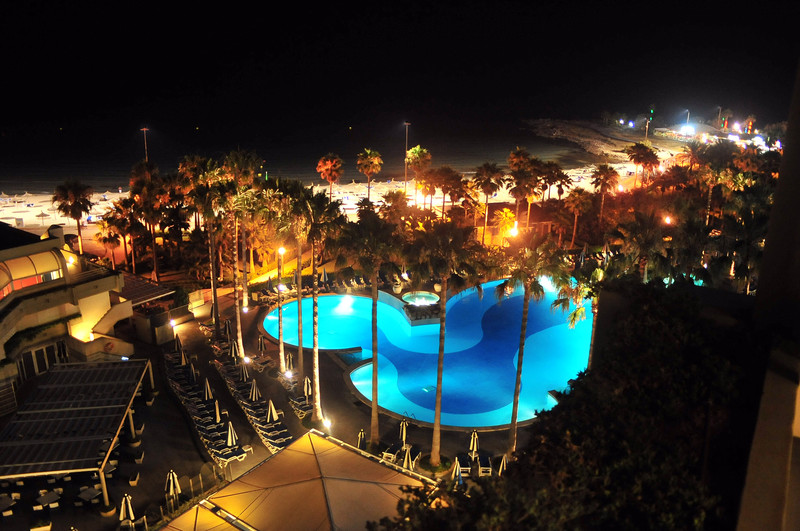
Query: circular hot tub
x,y
420,298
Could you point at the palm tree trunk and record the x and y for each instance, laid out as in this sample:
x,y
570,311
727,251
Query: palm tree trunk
x,y
133,255
316,415
708,204
602,203
594,327
239,341
374,434
155,252
80,239
212,259
485,219
512,434
574,231
245,289
528,217
436,442
300,365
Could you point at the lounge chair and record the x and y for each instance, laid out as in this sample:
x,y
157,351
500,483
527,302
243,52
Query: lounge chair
x,y
484,465
391,453
465,463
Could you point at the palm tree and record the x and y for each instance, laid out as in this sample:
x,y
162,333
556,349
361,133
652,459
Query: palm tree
x,y
108,238
579,201
582,284
146,191
371,243
505,221
330,168
604,179
718,158
369,162
419,160
489,178
323,217
639,154
452,184
73,199
445,251
538,256
642,240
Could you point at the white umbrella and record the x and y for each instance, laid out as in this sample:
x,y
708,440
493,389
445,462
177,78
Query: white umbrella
x,y
243,374
228,330
255,394
126,509
233,350
473,444
272,413
217,416
207,394
307,387
407,458
457,473
403,430
184,361
261,345
178,345
172,488
232,439
324,276
360,440
503,465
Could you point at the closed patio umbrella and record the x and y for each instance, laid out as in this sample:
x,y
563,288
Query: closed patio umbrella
x,y
407,458
228,332
178,345
473,444
272,413
403,430
261,345
244,375
324,276
184,361
207,394
503,465
126,509
171,487
307,387
232,439
457,473
255,394
361,439
217,416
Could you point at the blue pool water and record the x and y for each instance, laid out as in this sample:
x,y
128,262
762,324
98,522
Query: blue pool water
x,y
481,344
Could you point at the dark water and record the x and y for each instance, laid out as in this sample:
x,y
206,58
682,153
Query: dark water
x,y
102,156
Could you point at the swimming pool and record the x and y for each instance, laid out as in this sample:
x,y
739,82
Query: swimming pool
x,y
482,340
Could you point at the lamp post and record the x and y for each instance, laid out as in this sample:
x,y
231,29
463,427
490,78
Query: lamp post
x,y
281,250
144,131
687,116
405,162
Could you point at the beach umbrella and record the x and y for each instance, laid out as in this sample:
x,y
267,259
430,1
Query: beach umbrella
x,y
178,345
228,330
582,256
126,509
503,465
473,444
207,394
606,254
457,473
269,284
244,375
217,416
172,488
184,361
255,394
361,439
289,361
307,387
403,429
233,350
261,345
272,413
407,458
232,439
324,276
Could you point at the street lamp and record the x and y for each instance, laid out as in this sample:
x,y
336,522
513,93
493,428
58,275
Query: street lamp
x,y
687,116
144,131
281,250
405,161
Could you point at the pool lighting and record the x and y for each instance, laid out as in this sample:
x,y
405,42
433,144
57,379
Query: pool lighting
x,y
246,359
288,374
687,130
172,323
327,423
345,307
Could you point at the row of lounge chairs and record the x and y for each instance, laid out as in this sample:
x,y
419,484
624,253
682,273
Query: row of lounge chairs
x,y
261,414
396,454
210,422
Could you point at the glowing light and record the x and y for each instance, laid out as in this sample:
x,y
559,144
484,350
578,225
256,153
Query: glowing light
x,y
345,307
733,138
246,359
630,124
244,308
668,220
687,130
514,230
91,336
327,423
737,127
172,323
620,188
124,358
281,251
288,374
71,260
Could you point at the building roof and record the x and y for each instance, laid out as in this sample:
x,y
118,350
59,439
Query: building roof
x,y
12,237
70,418
139,290
317,482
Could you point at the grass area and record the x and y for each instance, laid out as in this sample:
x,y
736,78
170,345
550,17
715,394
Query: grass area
x,y
425,464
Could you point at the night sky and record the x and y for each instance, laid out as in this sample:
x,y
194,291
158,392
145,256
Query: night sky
x,y
83,80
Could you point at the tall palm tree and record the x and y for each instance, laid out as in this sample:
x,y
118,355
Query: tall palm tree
x,y
642,241
73,199
530,260
579,201
369,162
324,218
146,190
604,179
639,154
718,158
371,243
489,179
582,284
419,160
452,184
445,251
330,168
108,238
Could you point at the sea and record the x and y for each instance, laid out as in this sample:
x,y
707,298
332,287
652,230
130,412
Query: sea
x,y
102,157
